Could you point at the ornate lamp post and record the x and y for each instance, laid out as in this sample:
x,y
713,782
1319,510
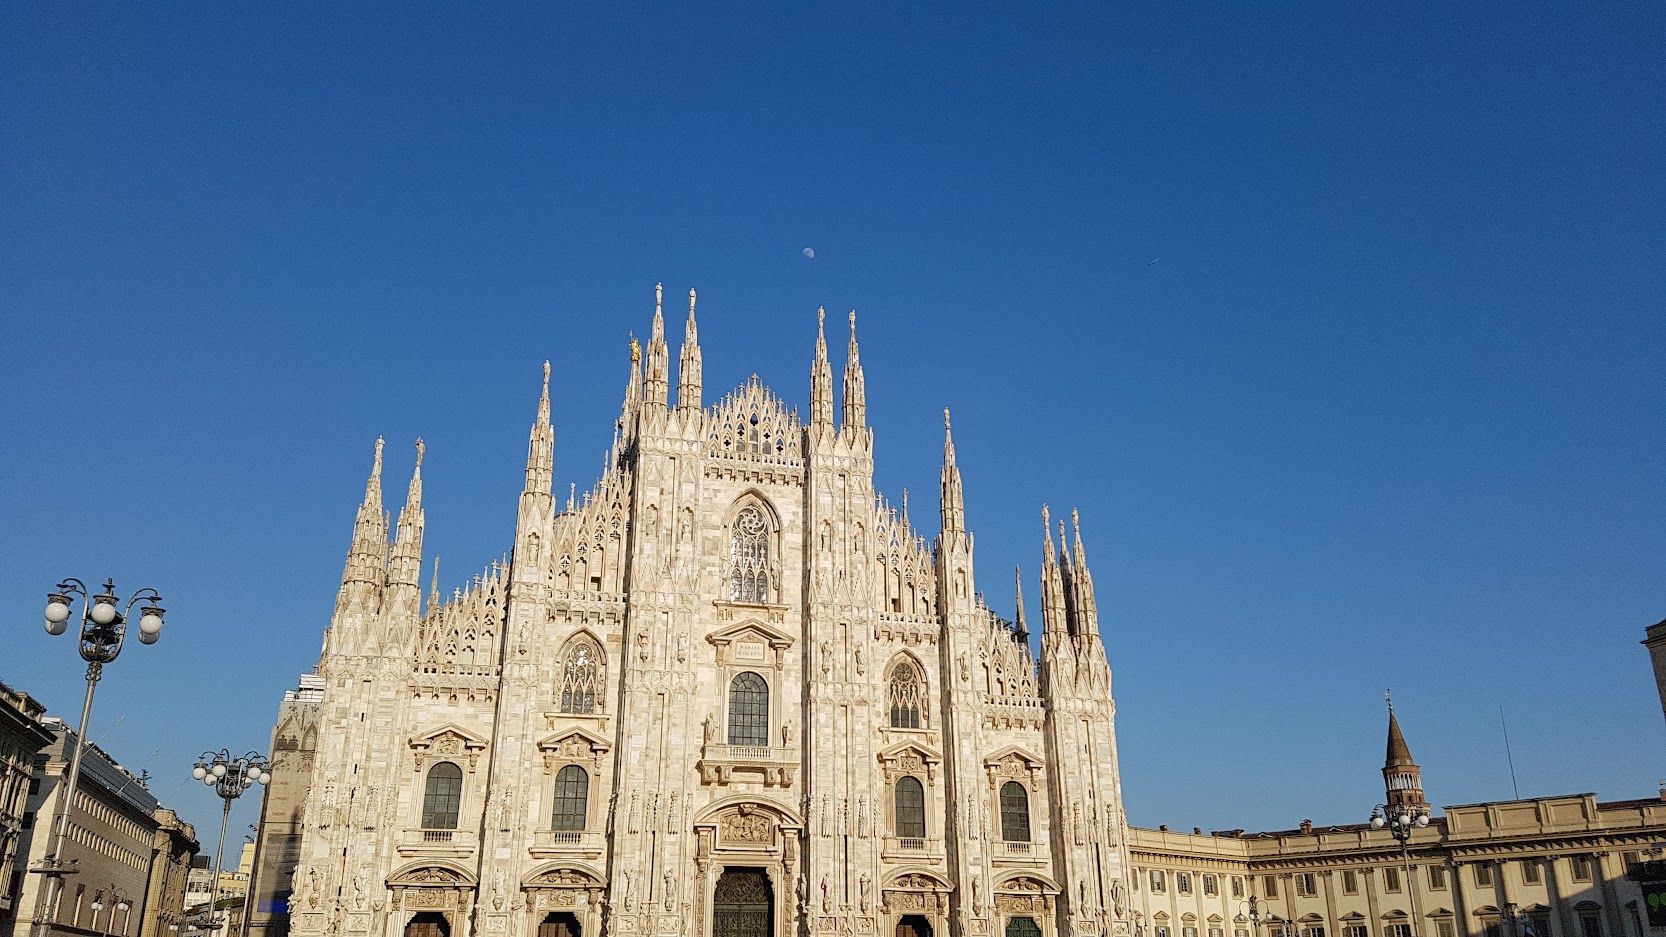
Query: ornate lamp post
x,y
1402,820
1285,928
230,777
103,631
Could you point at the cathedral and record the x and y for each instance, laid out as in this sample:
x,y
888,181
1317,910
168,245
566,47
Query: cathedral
x,y
730,691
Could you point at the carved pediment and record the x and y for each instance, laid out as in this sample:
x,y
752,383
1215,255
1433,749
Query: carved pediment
x,y
1031,882
750,641
918,881
573,745
1214,919
430,875
746,825
449,742
1013,763
563,878
910,757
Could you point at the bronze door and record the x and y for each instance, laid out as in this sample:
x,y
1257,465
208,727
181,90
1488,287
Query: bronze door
x,y
743,904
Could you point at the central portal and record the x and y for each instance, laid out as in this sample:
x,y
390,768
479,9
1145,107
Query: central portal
x,y
743,904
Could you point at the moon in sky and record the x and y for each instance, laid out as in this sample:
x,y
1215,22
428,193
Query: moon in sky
x,y
809,253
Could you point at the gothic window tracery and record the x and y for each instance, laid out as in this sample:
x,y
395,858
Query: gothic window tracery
x,y
572,799
581,677
911,808
907,696
749,557
442,797
749,710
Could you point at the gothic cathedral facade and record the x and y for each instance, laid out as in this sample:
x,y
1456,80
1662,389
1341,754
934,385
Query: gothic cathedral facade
x,y
729,692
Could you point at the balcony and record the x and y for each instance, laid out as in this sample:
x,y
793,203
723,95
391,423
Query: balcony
x,y
777,766
1020,853
913,849
550,844
439,843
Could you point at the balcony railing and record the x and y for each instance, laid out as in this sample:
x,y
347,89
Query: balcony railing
x,y
719,762
1012,848
907,844
431,842
548,843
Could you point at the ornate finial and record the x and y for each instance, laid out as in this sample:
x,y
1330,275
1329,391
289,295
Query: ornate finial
x,y
691,303
821,316
853,322
659,296
546,375
636,349
572,494
379,443
1046,520
905,504
1388,697
1076,521
421,448
946,418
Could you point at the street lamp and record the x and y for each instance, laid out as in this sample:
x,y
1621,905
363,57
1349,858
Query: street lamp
x,y
103,630
1285,928
1402,820
230,777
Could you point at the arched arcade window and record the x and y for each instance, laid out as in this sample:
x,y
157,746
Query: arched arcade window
x,y
1015,813
749,557
581,677
572,799
442,797
748,710
911,808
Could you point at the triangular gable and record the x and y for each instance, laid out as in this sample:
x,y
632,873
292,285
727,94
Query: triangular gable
x,y
450,741
574,744
750,641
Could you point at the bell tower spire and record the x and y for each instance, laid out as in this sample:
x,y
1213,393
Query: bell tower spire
x,y
821,378
657,379
688,365
1402,778
856,388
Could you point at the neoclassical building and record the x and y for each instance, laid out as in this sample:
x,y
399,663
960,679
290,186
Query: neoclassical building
x,y
730,691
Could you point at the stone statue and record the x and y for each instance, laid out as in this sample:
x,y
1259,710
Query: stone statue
x,y
786,735
670,892
711,728
977,895
826,896
361,887
865,884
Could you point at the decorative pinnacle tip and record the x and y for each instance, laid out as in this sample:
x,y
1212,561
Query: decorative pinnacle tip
x,y
1046,518
421,448
945,417
1076,520
821,315
546,374
853,320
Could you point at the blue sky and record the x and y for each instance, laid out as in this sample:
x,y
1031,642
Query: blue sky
x,y
1343,328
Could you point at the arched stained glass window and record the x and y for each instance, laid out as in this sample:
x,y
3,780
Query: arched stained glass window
x,y
749,710
581,677
442,797
749,558
911,808
572,799
907,696
1015,813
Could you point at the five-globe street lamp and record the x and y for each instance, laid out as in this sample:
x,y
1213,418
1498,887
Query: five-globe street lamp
x,y
1402,820
229,776
1286,928
103,632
